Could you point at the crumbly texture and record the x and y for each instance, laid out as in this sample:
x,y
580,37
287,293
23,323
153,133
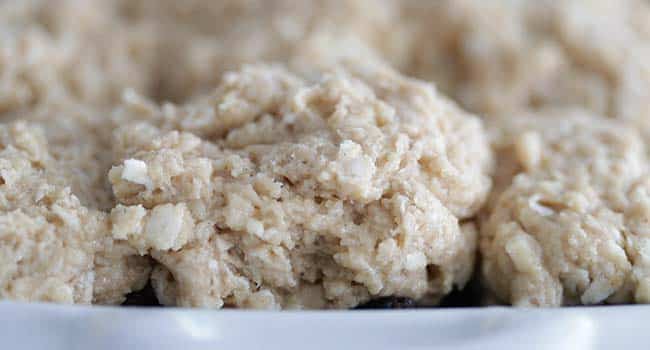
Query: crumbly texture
x,y
62,69
323,179
81,50
278,192
570,213
557,228
496,57
51,246
63,65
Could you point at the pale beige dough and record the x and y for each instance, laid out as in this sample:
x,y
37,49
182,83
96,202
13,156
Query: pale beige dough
x,y
277,191
204,39
52,247
567,225
496,57
66,62
61,68
285,187
74,49
63,65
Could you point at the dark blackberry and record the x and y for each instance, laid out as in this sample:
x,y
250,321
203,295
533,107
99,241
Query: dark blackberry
x,y
389,303
144,297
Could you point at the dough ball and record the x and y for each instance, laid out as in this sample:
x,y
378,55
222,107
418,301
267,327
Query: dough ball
x,y
565,227
280,191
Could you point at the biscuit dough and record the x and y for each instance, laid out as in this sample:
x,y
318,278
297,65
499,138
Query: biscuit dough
x,y
280,192
500,57
322,178
204,39
61,71
71,49
568,225
53,248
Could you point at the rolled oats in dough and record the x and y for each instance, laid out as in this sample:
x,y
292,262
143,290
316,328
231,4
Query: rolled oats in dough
x,y
568,224
277,191
61,70
71,49
294,169
52,247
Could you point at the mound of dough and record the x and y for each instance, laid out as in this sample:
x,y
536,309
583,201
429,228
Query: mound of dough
x,y
53,248
63,65
277,191
496,57
570,223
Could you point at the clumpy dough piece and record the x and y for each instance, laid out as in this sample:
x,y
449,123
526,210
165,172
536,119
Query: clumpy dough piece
x,y
63,65
281,192
78,139
496,57
569,225
53,248
81,50
560,140
203,39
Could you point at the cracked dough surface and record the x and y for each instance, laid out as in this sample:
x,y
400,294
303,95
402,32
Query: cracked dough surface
x,y
280,192
569,224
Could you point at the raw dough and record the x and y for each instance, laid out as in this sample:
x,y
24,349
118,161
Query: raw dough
x,y
71,49
204,39
277,191
570,227
499,57
61,70
53,248
326,179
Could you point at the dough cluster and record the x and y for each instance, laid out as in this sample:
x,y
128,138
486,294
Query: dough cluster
x,y
60,75
570,215
276,191
303,154
53,247
563,86
322,179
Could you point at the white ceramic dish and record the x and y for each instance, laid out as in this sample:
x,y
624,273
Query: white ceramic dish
x,y
43,326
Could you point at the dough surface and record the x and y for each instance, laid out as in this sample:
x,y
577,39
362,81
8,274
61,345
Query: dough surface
x,y
504,56
204,39
276,191
52,247
568,221
61,72
262,154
